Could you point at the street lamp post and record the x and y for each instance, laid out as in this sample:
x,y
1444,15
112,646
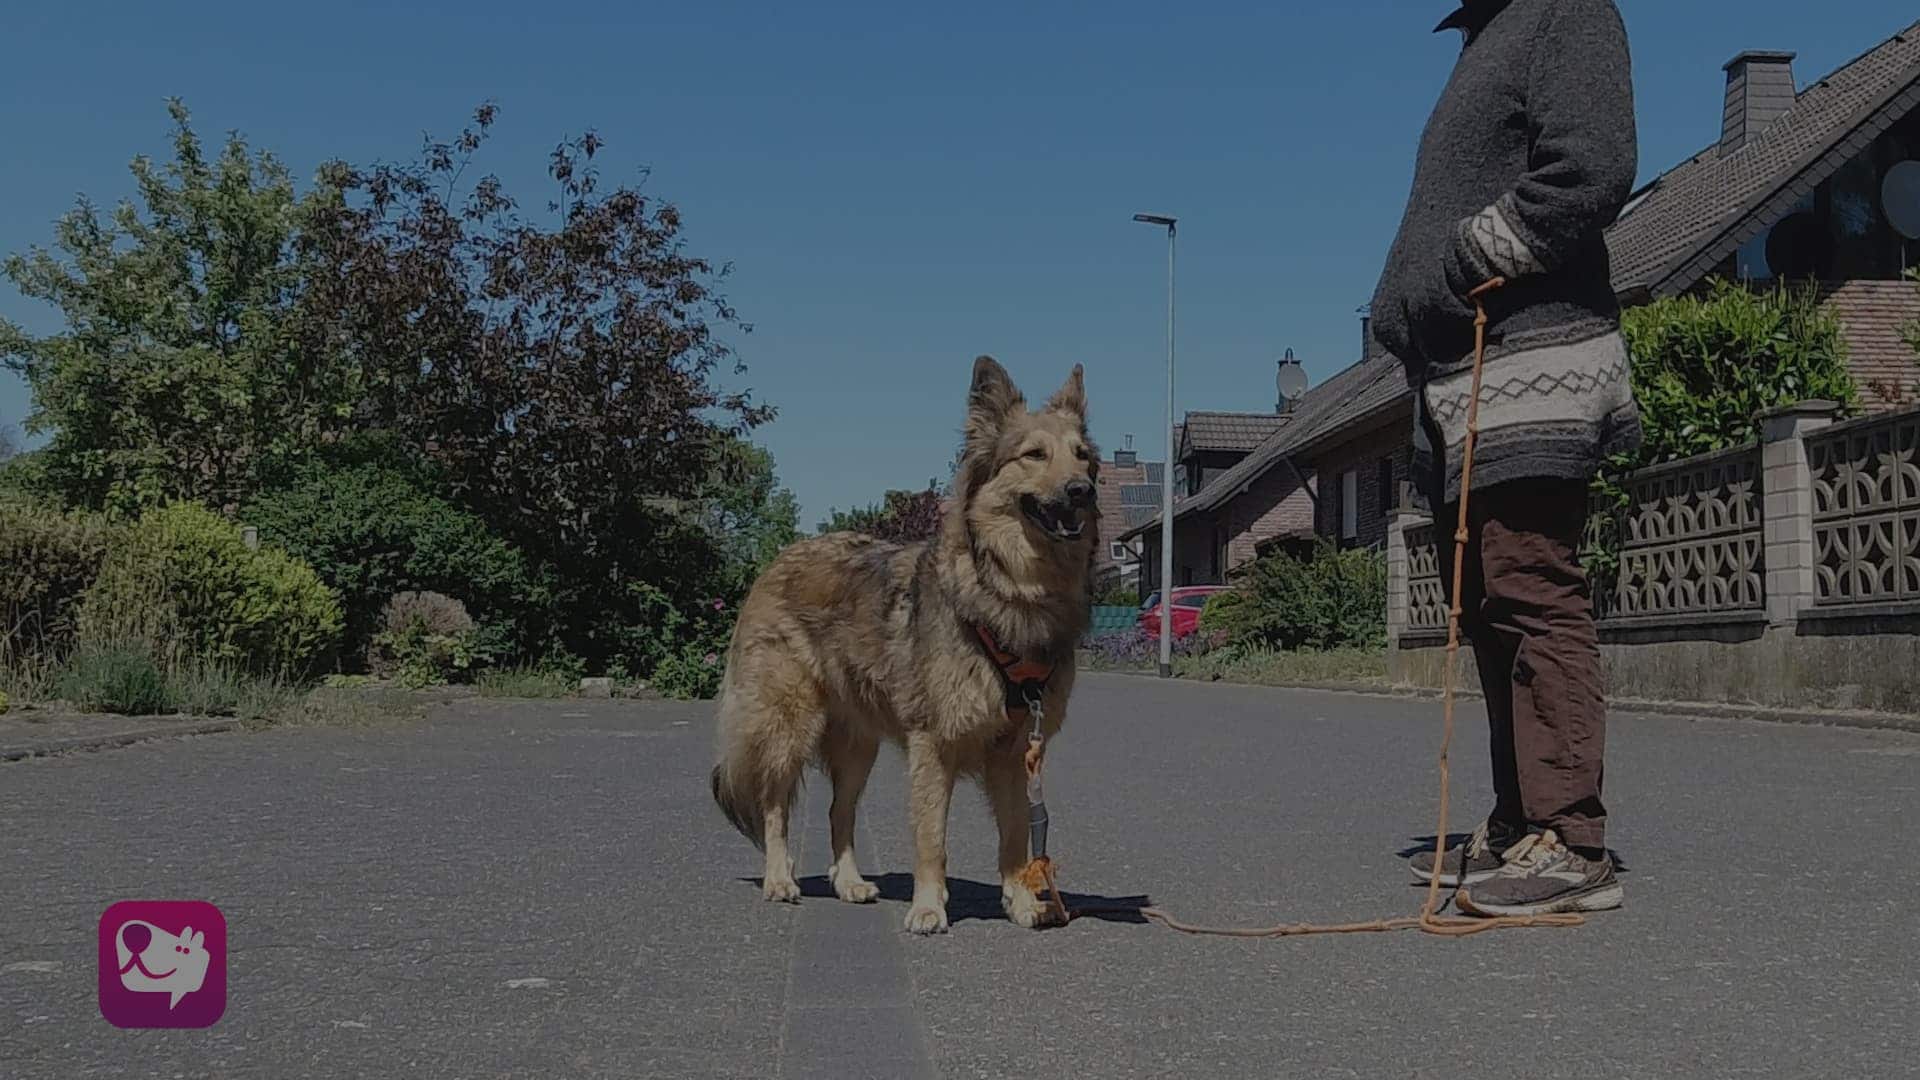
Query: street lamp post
x,y
1166,470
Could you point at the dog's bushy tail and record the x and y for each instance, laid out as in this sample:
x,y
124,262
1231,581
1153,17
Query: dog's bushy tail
x,y
739,802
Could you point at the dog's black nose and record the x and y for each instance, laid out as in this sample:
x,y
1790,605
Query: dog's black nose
x,y
1080,493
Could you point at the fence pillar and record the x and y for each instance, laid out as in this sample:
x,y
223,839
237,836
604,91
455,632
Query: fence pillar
x,y
1398,603
1788,507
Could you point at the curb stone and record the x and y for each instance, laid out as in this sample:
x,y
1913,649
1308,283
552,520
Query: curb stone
x,y
1686,710
48,747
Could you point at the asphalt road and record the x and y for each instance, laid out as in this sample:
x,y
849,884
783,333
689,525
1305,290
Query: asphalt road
x,y
544,890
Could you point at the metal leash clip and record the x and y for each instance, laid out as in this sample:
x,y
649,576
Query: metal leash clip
x,y
1036,798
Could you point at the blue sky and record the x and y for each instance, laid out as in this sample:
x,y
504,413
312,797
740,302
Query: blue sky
x,y
898,192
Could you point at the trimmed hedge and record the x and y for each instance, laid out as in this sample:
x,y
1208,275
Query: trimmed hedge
x,y
48,560
183,578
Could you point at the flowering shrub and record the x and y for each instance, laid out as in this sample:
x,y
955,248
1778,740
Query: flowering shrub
x,y
692,648
1137,648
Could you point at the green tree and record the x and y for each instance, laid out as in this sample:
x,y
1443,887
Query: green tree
x,y
750,515
174,375
559,372
902,516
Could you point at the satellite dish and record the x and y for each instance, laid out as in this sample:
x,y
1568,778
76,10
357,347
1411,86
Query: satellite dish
x,y
1793,247
1291,380
1900,198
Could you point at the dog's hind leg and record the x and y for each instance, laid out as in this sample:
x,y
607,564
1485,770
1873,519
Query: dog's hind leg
x,y
930,779
849,753
1006,784
792,725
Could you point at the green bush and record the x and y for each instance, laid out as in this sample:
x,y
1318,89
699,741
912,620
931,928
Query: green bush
x,y
427,639
1706,367
374,529
47,562
115,678
1332,599
1117,595
682,652
183,578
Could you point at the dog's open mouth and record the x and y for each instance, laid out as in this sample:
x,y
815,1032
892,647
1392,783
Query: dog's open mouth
x,y
1058,520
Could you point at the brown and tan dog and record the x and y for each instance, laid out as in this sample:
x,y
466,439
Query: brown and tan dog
x,y
846,640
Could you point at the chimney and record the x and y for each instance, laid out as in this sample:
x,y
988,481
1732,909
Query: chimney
x,y
1760,89
1366,331
1290,381
1126,459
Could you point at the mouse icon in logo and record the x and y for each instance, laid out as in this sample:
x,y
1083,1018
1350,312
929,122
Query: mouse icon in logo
x,y
163,964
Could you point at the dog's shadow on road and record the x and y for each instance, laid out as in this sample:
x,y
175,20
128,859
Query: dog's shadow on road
x,y
1418,844
969,901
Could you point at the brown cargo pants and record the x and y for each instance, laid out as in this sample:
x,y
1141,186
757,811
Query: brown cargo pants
x,y
1528,611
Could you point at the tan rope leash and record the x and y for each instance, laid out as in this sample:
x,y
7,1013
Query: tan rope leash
x,y
1040,872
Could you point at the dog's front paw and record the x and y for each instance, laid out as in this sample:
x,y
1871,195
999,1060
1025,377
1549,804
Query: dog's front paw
x,y
924,919
1023,908
781,890
855,889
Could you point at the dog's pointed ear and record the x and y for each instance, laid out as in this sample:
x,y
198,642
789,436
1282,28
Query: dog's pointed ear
x,y
992,399
1072,397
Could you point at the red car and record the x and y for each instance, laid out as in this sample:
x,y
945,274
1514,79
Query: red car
x,y
1187,603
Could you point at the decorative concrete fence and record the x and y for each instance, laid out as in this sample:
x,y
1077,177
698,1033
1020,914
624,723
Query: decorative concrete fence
x,y
1785,573
1109,620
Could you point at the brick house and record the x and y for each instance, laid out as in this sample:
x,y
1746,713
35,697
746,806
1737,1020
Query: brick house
x,y
1128,493
1352,428
1821,184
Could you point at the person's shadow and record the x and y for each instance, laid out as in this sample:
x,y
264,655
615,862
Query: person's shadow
x,y
978,901
1418,844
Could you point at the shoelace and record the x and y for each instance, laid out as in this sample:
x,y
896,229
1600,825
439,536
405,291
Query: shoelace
x,y
1480,843
1535,850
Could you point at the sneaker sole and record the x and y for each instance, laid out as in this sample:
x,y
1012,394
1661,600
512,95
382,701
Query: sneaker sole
x,y
1452,881
1605,898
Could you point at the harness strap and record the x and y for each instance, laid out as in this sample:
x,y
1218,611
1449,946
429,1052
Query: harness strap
x,y
1025,679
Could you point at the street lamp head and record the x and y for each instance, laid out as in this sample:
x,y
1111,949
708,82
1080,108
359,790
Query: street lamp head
x,y
1155,219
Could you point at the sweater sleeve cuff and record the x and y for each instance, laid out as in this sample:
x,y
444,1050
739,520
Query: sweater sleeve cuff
x,y
1490,246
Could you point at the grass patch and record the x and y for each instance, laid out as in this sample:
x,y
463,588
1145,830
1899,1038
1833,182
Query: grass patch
x,y
114,679
218,690
347,708
25,680
524,683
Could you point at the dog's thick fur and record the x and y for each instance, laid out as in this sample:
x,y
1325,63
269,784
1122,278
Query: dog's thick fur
x,y
846,640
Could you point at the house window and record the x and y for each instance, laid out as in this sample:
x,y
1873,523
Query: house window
x,y
1118,552
1350,505
1388,504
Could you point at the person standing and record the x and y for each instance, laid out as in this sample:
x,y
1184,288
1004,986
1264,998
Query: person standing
x,y
1529,155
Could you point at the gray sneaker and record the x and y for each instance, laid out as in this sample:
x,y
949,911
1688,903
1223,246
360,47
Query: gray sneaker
x,y
1484,854
1543,876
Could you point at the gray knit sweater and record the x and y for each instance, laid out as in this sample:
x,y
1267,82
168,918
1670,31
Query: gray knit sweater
x,y
1528,156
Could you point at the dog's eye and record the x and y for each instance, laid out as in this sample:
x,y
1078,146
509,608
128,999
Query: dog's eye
x,y
1038,453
